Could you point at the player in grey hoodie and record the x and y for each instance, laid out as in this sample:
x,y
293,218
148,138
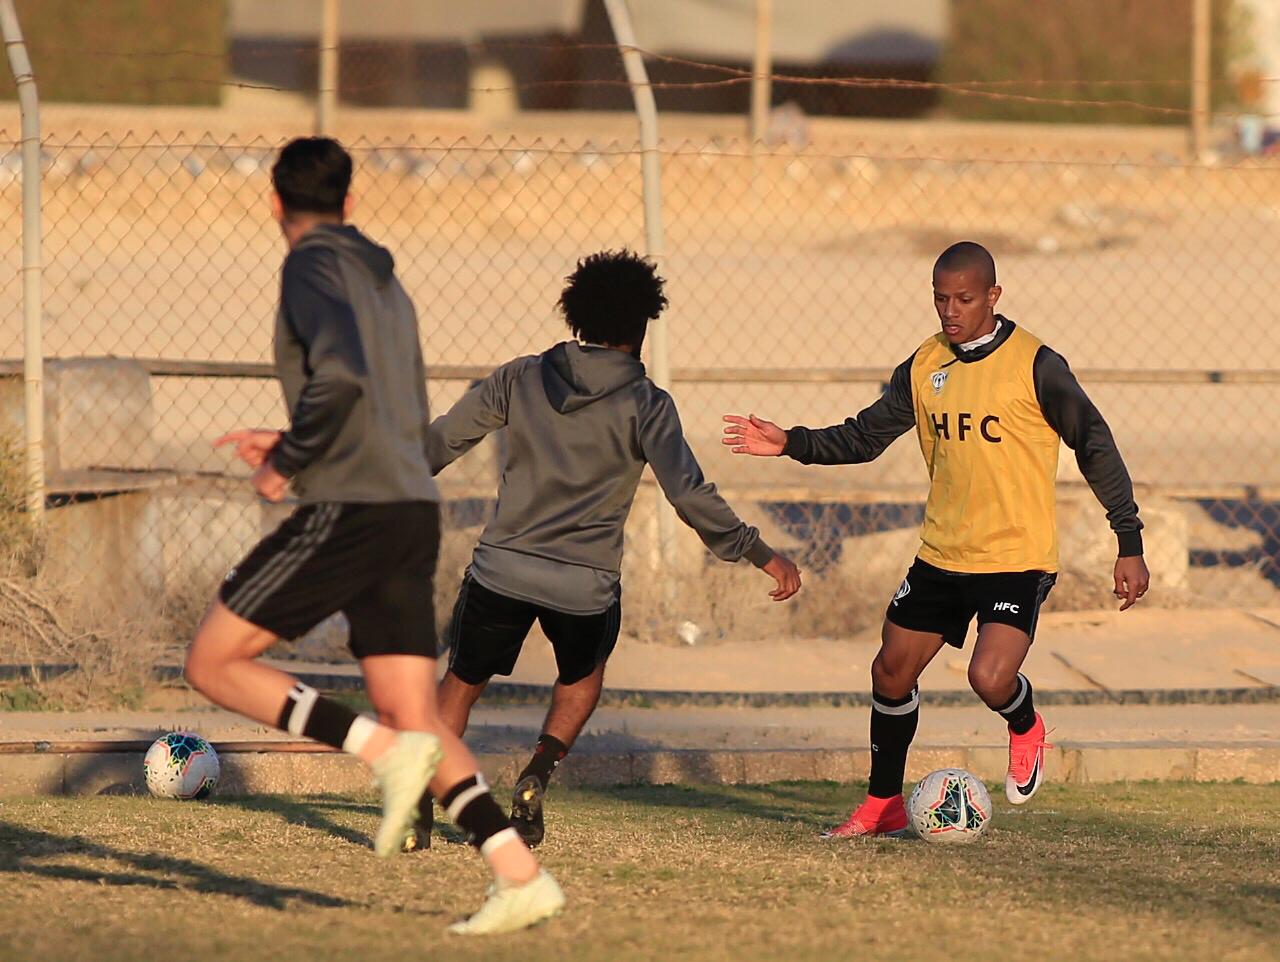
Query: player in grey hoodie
x,y
582,422
362,541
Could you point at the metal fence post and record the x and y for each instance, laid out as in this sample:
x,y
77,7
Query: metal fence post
x,y
655,244
762,71
1201,31
327,86
33,351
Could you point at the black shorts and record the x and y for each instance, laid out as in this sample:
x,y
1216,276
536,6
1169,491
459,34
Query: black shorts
x,y
488,630
944,602
373,562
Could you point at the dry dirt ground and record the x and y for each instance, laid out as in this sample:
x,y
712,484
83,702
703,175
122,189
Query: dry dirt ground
x,y
1144,872
1114,253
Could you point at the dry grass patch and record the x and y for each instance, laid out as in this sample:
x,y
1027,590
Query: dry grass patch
x,y
1151,871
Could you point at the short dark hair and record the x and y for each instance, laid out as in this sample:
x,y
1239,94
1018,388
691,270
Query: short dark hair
x,y
611,297
968,256
312,175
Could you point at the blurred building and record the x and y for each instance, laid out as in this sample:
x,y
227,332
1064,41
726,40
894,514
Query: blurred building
x,y
1263,54
427,52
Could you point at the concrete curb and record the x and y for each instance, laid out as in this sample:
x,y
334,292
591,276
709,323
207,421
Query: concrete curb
x,y
323,772
519,693
513,693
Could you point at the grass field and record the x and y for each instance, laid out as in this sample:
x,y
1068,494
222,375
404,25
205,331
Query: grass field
x,y
1148,871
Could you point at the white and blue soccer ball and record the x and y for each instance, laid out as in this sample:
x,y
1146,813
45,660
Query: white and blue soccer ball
x,y
181,765
950,806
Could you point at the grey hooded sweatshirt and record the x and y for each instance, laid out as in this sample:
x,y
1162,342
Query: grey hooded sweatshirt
x,y
583,422
347,355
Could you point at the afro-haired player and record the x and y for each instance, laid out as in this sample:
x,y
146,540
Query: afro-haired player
x,y
364,540
990,405
582,421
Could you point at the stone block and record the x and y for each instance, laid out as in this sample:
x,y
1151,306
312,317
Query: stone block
x,y
595,769
108,550
1070,766
689,767
861,758
501,768
1256,765
840,765
111,773
98,413
1116,763
204,535
1087,546
922,761
22,775
256,773
324,773
761,767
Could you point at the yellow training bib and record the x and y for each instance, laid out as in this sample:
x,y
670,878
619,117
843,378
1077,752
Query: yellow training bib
x,y
992,459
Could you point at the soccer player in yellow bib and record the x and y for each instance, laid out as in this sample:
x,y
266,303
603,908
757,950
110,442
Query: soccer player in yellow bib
x,y
989,403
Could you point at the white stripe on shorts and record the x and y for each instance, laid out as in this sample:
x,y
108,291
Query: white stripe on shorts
x,y
284,565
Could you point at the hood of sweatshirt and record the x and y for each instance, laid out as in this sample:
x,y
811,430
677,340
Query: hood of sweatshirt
x,y
344,237
575,376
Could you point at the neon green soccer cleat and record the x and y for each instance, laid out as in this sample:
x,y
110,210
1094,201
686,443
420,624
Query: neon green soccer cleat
x,y
402,773
511,907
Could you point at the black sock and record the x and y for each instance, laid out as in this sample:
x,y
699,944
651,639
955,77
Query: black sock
x,y
893,726
473,810
546,756
426,816
306,712
1019,712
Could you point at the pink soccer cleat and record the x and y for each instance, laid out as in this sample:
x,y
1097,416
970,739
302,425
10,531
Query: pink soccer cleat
x,y
875,816
1026,763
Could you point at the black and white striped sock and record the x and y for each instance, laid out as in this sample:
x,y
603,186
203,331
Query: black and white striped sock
x,y
471,807
1020,711
893,726
308,713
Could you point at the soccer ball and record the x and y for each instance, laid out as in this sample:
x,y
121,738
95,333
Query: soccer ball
x,y
181,765
951,806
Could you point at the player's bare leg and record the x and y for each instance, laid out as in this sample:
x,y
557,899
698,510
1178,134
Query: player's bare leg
x,y
456,698
571,707
401,687
895,713
995,677
221,664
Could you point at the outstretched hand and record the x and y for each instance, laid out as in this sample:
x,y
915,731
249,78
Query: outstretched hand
x,y
1132,580
253,445
753,435
784,571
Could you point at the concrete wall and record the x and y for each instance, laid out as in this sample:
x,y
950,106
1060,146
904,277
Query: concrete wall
x,y
98,414
1264,38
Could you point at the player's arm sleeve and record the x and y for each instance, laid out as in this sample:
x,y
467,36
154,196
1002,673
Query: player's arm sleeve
x,y
479,412
862,438
1068,410
322,319
696,500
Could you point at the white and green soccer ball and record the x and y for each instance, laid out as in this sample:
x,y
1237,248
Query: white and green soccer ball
x,y
950,806
181,765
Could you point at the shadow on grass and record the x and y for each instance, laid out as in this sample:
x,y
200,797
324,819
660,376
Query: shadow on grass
x,y
25,851
315,812
813,804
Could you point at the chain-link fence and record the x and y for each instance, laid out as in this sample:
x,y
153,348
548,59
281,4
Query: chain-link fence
x,y
797,280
